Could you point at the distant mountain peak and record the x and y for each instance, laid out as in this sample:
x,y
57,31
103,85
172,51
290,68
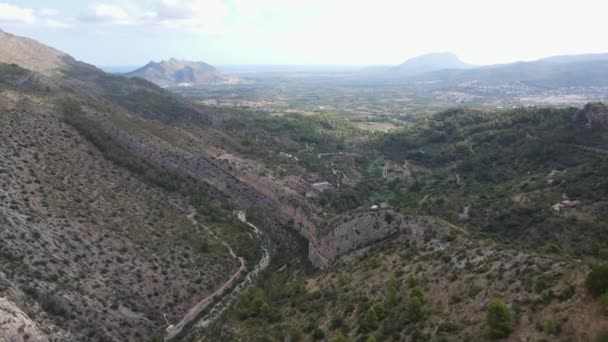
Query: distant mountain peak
x,y
175,72
432,62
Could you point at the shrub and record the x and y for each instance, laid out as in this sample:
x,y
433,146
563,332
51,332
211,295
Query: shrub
x,y
602,336
318,334
340,338
412,281
336,322
597,280
449,327
499,318
604,302
379,310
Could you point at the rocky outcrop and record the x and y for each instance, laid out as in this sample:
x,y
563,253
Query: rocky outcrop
x,y
594,114
346,233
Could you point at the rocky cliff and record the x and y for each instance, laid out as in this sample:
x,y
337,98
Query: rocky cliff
x,y
345,233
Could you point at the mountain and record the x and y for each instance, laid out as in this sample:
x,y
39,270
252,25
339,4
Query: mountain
x,y
34,56
431,62
177,72
576,58
547,73
419,65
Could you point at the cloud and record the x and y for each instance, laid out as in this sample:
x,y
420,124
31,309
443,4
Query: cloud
x,y
109,13
43,17
15,14
204,15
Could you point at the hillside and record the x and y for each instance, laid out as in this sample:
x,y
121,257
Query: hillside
x,y
85,240
175,72
142,242
34,56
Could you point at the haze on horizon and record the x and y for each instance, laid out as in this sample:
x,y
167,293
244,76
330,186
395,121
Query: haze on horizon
x,y
133,32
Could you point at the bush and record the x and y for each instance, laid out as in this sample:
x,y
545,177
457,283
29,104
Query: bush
x,y
499,319
597,280
340,338
550,326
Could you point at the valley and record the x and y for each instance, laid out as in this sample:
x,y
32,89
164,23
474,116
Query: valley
x,y
334,206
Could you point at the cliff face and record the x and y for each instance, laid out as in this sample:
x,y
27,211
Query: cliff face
x,y
346,233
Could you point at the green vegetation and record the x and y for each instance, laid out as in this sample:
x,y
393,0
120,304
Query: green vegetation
x,y
499,319
597,279
509,167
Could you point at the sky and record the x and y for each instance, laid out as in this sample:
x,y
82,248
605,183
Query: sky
x,y
357,32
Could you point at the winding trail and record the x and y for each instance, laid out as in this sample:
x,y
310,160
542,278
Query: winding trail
x,y
220,306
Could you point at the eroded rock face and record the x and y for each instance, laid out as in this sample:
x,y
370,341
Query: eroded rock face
x,y
346,233
595,114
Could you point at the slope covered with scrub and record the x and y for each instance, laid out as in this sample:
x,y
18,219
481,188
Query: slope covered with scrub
x,y
95,242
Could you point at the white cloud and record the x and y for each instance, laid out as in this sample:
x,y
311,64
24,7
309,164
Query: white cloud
x,y
106,13
15,14
43,17
205,15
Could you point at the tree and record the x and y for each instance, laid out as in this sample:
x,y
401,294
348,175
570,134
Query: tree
x,y
392,291
597,279
414,309
418,293
369,322
499,318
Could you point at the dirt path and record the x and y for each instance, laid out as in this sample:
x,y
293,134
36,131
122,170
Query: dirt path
x,y
175,329
227,300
